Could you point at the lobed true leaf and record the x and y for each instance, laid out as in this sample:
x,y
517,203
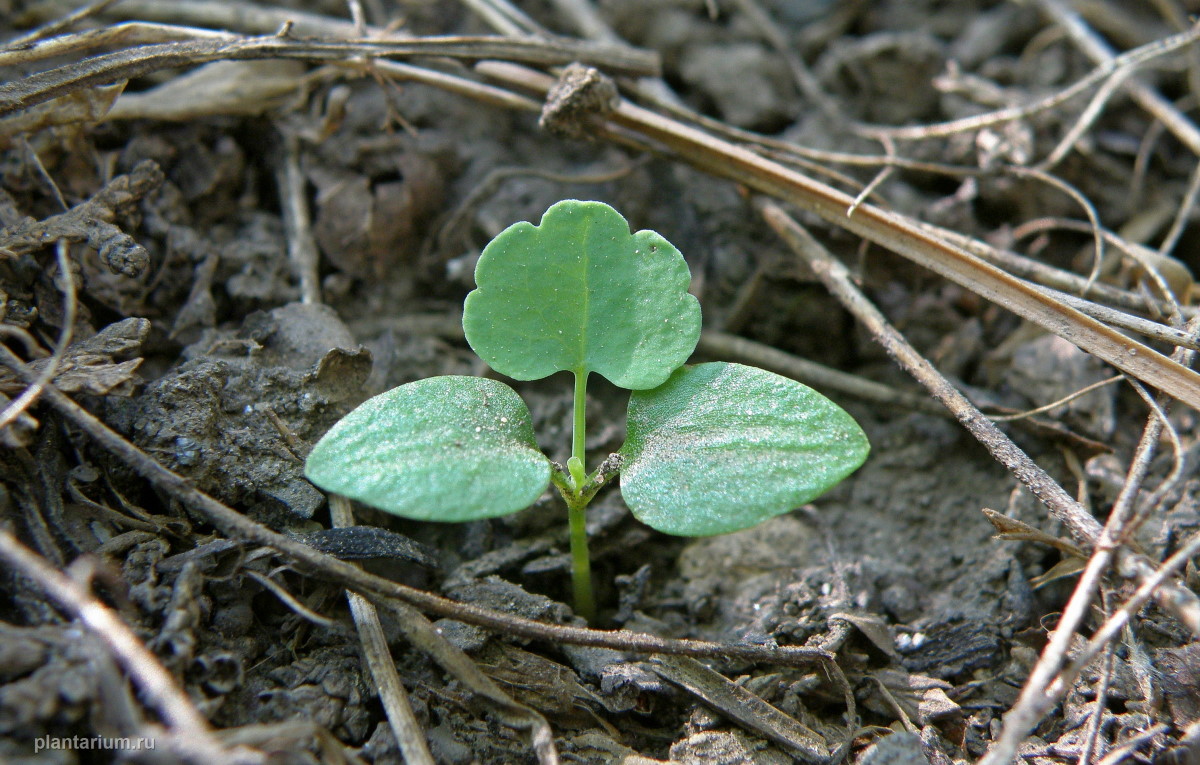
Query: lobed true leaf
x,y
580,293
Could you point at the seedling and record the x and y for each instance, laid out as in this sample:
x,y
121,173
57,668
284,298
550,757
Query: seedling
x,y
711,448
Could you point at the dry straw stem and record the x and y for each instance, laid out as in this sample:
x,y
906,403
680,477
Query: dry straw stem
x,y
214,14
889,230
107,68
1056,278
1144,327
1042,690
426,637
190,735
1034,701
302,246
392,694
1173,597
505,18
722,345
1149,588
739,704
62,23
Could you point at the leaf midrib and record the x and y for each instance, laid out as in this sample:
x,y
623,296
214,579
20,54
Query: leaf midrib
x,y
582,365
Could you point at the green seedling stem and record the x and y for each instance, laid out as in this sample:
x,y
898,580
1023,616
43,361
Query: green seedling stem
x,y
577,502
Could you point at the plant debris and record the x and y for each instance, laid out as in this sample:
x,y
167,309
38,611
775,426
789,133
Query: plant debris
x,y
222,228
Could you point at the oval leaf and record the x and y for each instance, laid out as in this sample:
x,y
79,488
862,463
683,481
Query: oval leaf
x,y
580,293
722,447
441,449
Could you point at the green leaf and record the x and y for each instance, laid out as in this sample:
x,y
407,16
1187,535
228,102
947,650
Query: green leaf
x,y
580,293
722,447
441,449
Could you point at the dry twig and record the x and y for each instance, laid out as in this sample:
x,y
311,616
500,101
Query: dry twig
x,y
1107,61
302,246
1107,66
105,69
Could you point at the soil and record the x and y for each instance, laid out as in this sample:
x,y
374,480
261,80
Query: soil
x,y
191,340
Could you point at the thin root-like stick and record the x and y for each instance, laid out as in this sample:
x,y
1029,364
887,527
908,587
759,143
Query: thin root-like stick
x,y
1115,318
869,189
139,61
1135,252
479,91
1126,748
1182,214
1092,737
1106,60
1177,451
33,348
1056,278
1088,118
45,174
723,345
1055,404
59,25
425,636
1088,208
837,279
291,601
805,80
248,18
505,18
1033,702
1104,636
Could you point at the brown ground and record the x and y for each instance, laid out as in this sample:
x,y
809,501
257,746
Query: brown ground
x,y
186,266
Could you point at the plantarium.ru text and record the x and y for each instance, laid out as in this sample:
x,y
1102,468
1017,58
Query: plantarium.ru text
x,y
711,448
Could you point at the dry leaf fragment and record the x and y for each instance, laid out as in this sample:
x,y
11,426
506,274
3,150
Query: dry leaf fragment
x,y
84,106
89,365
238,88
918,698
545,685
1012,530
741,705
874,628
